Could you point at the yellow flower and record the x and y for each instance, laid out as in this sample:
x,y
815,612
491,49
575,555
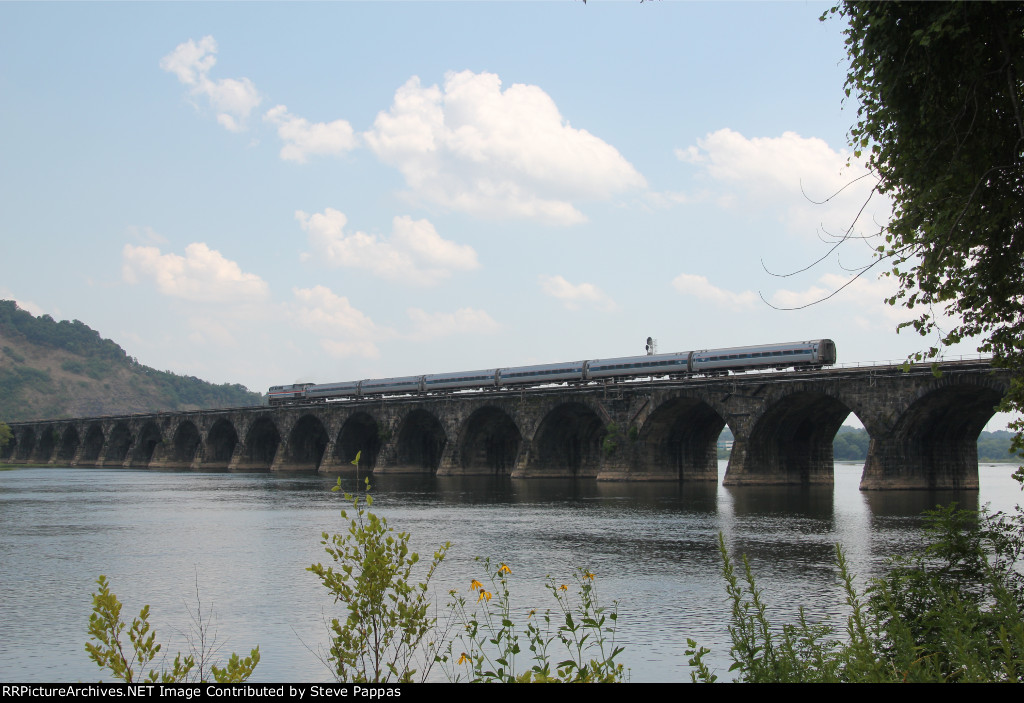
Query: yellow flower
x,y
475,585
464,658
484,595
532,613
563,587
504,569
588,575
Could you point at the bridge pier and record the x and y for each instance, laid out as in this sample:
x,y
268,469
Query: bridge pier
x,y
902,463
237,457
330,463
161,458
932,443
77,457
799,463
45,447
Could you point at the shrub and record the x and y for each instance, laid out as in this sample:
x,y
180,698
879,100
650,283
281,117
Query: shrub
x,y
489,640
954,611
110,652
386,633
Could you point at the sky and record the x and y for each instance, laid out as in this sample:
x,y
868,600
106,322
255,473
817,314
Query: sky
x,y
271,193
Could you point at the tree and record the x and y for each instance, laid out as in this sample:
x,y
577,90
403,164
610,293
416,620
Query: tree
x,y
940,87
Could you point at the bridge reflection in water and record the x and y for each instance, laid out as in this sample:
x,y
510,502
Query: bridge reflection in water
x,y
923,429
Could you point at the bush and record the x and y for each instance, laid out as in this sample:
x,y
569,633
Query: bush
x,y
585,630
110,652
954,611
385,636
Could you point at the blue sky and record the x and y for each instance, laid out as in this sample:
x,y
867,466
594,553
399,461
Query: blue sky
x,y
269,193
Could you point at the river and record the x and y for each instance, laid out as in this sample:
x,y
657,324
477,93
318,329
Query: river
x,y
245,539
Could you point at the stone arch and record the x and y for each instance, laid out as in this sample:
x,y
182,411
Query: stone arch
x,y
421,442
934,442
120,442
261,443
69,444
185,445
359,433
93,444
679,439
221,441
567,442
48,439
148,439
26,444
790,442
306,443
490,442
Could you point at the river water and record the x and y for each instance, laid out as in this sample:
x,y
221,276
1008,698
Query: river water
x,y
246,540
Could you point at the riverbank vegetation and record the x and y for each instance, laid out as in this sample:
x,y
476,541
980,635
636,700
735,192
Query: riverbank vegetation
x,y
138,659
387,632
952,612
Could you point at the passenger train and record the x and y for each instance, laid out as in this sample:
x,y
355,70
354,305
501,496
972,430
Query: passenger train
x,y
705,362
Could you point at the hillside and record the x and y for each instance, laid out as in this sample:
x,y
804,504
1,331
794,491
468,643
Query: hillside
x,y
51,369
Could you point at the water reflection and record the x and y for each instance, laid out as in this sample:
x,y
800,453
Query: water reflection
x,y
248,537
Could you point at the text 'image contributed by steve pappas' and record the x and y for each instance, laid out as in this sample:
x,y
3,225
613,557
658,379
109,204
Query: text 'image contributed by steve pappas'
x,y
206,691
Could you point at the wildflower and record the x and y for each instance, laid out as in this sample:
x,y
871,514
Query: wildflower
x,y
453,592
484,595
588,575
563,587
504,569
475,585
464,658
533,611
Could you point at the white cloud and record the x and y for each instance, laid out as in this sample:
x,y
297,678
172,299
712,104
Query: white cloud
x,y
668,199
207,330
232,99
475,148
463,321
415,253
202,275
702,289
146,234
576,296
343,330
865,296
784,175
302,139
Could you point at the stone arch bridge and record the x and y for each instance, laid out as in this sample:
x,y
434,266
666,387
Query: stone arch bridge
x,y
923,430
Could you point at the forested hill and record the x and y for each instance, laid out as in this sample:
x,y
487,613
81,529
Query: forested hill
x,y
51,369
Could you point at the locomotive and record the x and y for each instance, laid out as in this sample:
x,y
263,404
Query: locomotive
x,y
812,354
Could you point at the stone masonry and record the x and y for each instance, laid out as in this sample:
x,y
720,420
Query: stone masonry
x,y
923,430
